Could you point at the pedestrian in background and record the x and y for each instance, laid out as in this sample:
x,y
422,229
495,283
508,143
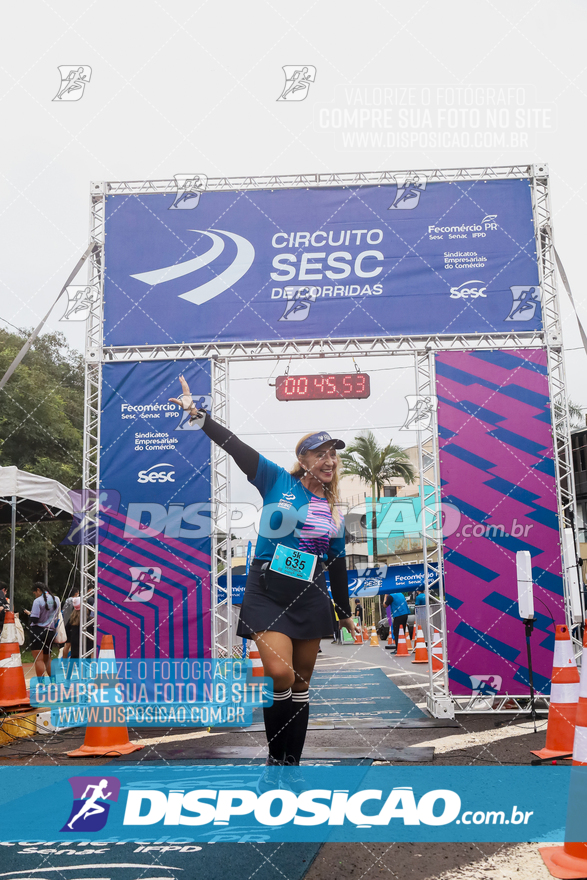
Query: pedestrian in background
x,y
420,610
43,617
4,603
397,612
71,618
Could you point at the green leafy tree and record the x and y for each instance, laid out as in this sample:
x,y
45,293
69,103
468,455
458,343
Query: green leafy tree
x,y
41,431
576,414
376,465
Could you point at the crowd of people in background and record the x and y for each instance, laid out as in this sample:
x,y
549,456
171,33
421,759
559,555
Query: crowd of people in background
x,y
46,614
397,613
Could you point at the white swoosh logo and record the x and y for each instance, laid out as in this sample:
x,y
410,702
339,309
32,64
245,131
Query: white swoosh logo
x,y
168,273
240,265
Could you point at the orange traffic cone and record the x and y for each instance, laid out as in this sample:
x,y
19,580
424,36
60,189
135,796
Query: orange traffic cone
x,y
570,860
421,653
257,671
437,659
390,641
105,740
408,639
373,641
358,636
365,634
564,693
402,648
13,690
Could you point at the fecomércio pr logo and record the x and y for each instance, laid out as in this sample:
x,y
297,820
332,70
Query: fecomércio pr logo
x,y
92,798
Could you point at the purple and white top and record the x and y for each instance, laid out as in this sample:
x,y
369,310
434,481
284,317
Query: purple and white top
x,y
319,527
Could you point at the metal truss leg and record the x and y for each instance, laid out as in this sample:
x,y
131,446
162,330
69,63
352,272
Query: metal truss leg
x,y
438,699
222,625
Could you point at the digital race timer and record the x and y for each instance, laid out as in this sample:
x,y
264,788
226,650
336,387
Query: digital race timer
x,y
335,386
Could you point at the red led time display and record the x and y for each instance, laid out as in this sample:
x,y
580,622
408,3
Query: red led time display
x,y
332,386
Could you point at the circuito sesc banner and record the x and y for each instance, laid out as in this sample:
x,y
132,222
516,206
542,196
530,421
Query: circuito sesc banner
x,y
366,261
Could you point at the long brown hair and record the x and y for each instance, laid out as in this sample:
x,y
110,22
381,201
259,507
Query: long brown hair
x,y
330,489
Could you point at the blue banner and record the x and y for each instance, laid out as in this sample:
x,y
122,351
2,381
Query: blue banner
x,y
308,263
383,579
366,581
144,802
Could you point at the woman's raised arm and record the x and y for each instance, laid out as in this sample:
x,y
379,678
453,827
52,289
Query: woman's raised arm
x,y
245,457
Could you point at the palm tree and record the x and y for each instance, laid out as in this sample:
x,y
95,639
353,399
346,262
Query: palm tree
x,y
375,465
576,414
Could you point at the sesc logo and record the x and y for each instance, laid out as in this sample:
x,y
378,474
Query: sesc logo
x,y
472,289
156,476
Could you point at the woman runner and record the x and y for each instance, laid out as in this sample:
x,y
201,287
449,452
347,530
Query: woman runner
x,y
287,616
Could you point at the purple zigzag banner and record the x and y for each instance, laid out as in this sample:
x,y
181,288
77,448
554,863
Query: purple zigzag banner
x,y
154,541
497,468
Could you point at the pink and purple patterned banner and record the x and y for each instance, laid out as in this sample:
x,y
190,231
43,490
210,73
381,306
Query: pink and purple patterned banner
x,y
154,544
497,468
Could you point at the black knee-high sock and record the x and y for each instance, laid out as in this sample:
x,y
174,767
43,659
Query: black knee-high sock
x,y
297,727
276,723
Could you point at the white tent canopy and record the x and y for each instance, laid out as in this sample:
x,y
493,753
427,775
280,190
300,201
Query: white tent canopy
x,y
33,487
29,498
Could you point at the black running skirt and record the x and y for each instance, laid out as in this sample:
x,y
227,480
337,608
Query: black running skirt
x,y
41,638
299,609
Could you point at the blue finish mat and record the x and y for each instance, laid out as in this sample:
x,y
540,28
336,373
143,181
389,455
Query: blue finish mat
x,y
170,857
359,696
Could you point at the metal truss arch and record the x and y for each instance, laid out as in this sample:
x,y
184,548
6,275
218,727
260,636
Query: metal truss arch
x,y
422,348
330,179
324,348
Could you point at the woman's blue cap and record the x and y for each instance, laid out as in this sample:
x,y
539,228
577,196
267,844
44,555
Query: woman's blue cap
x,y
316,440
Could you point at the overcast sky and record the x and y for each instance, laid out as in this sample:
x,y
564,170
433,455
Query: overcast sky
x,y
182,87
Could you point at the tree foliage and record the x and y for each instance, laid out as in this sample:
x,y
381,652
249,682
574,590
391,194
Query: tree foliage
x,y
576,415
376,465
41,431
